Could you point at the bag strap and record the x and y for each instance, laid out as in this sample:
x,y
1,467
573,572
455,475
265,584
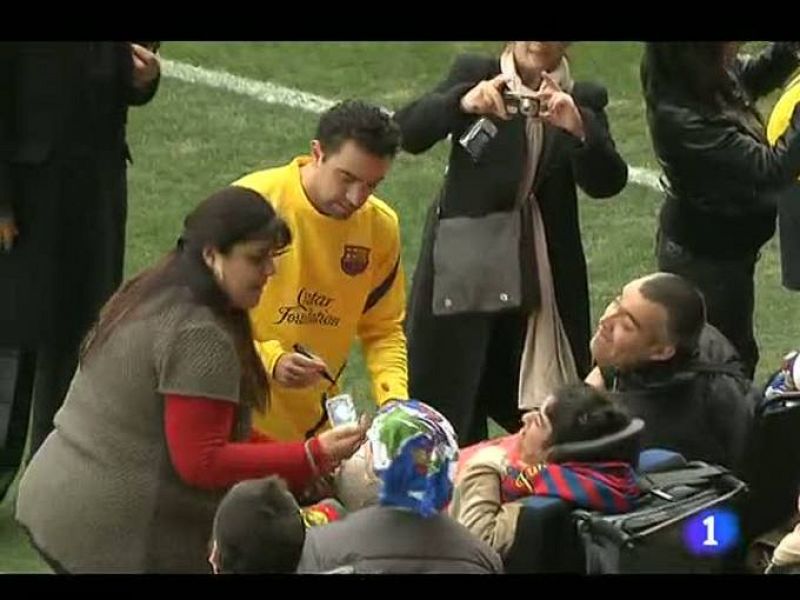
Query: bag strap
x,y
693,509
658,482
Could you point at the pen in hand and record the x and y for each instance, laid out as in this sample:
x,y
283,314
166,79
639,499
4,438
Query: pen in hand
x,y
305,352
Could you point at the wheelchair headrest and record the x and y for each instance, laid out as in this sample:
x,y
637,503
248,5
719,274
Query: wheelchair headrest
x,y
623,445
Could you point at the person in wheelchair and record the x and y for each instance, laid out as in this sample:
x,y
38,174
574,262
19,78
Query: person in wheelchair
x,y
548,456
663,361
411,455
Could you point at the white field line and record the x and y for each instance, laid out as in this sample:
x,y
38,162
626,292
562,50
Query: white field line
x,y
272,93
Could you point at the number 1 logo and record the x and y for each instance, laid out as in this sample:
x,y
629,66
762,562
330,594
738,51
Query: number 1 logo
x,y
710,532
710,540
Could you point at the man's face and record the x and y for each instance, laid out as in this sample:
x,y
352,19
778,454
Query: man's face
x,y
345,178
632,331
535,433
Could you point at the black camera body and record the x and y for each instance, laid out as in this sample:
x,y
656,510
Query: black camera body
x,y
480,133
483,131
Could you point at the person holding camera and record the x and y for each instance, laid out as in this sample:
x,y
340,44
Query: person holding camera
x,y
500,294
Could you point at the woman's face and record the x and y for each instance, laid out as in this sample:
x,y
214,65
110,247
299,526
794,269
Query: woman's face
x,y
531,58
535,433
243,271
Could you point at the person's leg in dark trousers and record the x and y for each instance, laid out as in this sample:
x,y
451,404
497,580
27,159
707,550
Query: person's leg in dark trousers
x,y
467,367
499,390
17,370
729,290
445,353
93,242
26,296
446,358
54,370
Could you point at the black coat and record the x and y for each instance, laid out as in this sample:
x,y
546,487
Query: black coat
x,y
721,174
702,415
63,110
442,349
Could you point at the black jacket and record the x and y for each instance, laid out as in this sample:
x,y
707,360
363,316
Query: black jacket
x,y
472,189
63,112
702,408
721,176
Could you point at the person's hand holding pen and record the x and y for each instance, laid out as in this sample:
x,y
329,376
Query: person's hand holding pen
x,y
301,369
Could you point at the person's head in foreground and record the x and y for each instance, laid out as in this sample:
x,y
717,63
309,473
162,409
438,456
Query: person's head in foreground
x,y
258,528
408,461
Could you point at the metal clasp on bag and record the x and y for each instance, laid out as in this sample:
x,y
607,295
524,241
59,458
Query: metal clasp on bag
x,y
662,494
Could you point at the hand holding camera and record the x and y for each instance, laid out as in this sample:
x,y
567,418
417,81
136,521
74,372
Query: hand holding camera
x,y
558,108
521,104
486,98
493,98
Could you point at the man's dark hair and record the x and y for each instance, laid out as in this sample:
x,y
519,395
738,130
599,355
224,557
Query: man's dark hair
x,y
581,413
687,70
258,528
685,307
371,127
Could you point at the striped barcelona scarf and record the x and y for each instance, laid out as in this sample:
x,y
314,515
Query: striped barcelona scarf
x,y
609,487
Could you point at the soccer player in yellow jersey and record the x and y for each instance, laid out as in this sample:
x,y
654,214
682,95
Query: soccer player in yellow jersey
x,y
342,277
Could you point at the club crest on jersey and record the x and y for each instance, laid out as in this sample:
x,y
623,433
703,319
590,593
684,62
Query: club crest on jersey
x,y
354,260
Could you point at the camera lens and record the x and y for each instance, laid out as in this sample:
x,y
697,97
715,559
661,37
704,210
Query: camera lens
x,y
526,106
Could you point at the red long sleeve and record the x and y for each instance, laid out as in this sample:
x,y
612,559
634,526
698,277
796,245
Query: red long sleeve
x,y
198,438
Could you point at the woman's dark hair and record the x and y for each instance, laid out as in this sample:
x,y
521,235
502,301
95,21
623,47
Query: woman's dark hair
x,y
228,217
581,412
694,71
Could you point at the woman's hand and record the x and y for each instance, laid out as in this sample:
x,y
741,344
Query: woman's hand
x,y
8,232
340,443
558,108
486,98
146,66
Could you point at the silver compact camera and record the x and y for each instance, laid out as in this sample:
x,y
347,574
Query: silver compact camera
x,y
519,104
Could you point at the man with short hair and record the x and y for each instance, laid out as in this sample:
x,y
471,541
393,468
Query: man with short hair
x,y
668,366
342,277
258,528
